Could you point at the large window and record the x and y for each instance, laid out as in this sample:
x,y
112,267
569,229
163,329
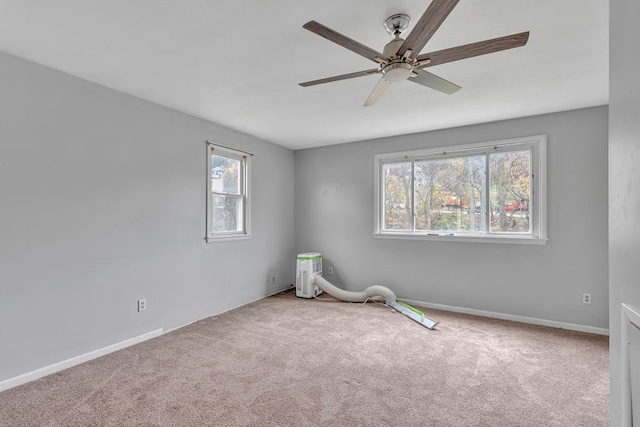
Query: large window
x,y
227,193
493,190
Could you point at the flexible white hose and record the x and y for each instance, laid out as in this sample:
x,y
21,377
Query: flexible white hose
x,y
371,291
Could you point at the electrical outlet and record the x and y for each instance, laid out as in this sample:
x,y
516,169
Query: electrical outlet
x,y
586,298
330,270
273,280
142,304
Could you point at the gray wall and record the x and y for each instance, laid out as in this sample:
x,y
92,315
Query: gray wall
x,y
334,215
624,180
102,203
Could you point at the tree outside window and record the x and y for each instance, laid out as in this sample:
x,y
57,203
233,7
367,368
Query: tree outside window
x,y
227,193
476,190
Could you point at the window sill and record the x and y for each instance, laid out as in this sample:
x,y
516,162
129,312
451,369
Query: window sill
x,y
444,237
219,239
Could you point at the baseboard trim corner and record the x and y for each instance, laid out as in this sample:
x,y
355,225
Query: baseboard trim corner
x,y
65,364
511,317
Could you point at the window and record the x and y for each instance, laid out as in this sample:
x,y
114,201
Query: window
x,y
492,191
228,206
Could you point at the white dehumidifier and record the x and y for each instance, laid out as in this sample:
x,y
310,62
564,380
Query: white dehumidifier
x,y
309,265
310,283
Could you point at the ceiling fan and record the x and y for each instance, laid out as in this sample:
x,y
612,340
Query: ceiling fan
x,y
401,59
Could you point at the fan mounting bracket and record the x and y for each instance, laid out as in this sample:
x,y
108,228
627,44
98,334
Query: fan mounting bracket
x,y
396,24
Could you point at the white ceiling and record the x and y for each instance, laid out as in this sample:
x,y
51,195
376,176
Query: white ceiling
x,y
238,62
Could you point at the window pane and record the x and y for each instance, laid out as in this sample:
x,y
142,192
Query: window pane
x,y
397,196
485,191
227,214
510,188
449,194
225,175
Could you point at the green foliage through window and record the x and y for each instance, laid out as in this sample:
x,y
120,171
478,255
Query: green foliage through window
x,y
479,189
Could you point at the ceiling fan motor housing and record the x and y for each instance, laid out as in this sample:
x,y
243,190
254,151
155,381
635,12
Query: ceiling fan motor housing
x,y
396,69
392,47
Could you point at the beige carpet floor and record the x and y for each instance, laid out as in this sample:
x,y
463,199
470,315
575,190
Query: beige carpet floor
x,y
293,362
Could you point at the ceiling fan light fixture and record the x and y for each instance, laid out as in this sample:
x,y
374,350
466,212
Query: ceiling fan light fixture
x,y
397,71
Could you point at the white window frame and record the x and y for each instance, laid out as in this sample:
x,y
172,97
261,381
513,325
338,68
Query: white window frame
x,y
245,193
538,202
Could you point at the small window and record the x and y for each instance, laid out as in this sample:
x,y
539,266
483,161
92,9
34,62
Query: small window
x,y
493,190
227,193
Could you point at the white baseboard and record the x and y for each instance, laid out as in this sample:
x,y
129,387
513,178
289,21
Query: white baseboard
x,y
57,367
512,317
65,364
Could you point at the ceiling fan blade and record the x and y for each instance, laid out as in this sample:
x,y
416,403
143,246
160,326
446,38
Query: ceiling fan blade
x,y
340,77
380,88
342,40
427,25
432,81
473,49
